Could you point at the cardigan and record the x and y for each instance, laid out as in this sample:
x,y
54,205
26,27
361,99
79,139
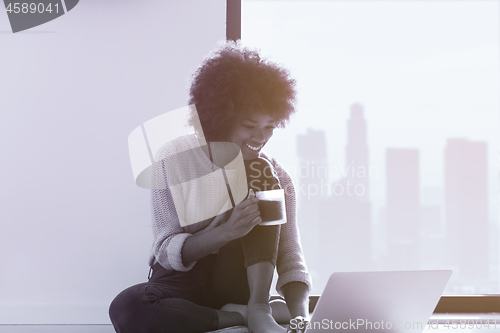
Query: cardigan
x,y
169,234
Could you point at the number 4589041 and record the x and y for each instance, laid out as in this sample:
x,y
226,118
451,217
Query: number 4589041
x,y
31,8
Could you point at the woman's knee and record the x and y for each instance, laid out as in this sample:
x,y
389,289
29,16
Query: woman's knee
x,y
261,244
124,309
148,308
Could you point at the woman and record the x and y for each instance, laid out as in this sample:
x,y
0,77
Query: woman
x,y
199,268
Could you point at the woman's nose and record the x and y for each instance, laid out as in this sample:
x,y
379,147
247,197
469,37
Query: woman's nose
x,y
258,136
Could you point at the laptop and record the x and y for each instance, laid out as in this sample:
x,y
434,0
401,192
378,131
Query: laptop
x,y
394,302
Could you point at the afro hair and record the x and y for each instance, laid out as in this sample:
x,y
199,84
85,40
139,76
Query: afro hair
x,y
234,81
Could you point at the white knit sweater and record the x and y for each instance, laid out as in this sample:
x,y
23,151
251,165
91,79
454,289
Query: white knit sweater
x,y
169,235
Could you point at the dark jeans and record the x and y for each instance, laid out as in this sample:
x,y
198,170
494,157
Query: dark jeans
x,y
184,302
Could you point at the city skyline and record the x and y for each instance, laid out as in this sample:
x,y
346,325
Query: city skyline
x,y
419,85
409,233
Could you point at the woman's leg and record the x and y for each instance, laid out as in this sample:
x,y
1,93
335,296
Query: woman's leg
x,y
229,282
153,308
170,302
243,274
261,250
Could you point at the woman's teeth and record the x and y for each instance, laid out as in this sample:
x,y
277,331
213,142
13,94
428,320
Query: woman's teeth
x,y
253,148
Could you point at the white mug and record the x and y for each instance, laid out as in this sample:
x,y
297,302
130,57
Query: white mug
x,y
272,206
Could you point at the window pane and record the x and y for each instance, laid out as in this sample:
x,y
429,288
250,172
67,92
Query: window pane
x,y
394,148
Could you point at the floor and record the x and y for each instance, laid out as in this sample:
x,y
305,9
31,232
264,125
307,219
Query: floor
x,y
81,329
109,329
445,321
56,329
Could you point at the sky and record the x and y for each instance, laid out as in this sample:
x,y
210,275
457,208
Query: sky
x,y
424,71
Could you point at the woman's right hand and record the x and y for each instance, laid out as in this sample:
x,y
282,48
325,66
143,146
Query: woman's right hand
x,y
244,217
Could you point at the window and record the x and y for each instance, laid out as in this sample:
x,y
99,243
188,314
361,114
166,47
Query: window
x,y
396,134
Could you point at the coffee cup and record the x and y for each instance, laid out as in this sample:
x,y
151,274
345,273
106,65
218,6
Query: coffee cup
x,y
272,206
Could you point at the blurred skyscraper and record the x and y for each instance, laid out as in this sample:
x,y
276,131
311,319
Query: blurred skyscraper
x,y
345,222
403,207
466,206
357,152
313,179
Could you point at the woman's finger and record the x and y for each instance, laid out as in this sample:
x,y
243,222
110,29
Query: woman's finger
x,y
247,202
248,218
256,220
250,209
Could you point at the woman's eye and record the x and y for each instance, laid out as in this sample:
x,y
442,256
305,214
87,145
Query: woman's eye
x,y
252,127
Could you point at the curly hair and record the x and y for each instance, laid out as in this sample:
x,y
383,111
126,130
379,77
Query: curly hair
x,y
234,81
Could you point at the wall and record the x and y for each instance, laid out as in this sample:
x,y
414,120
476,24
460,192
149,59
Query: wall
x,y
75,230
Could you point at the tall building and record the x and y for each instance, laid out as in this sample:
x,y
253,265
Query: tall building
x,y
313,168
311,189
403,207
466,208
357,168
345,222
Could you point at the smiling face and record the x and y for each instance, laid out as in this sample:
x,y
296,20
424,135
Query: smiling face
x,y
251,133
